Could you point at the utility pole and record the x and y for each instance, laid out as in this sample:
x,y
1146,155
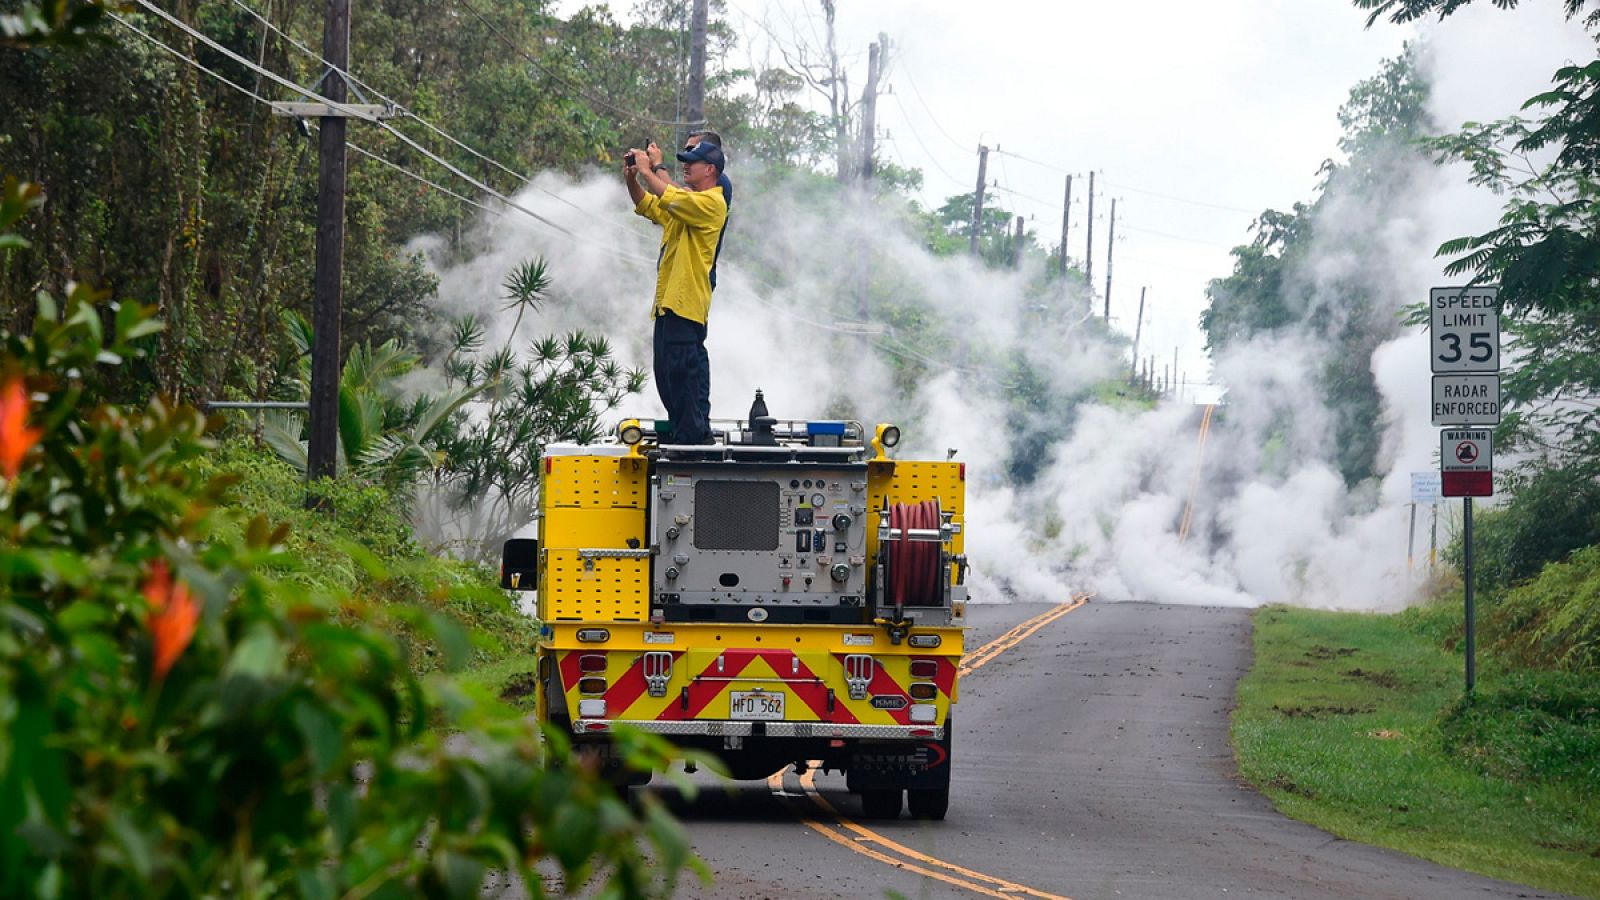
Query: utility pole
x,y
1138,329
1111,245
977,199
696,113
1016,246
1088,247
1066,218
322,450
877,56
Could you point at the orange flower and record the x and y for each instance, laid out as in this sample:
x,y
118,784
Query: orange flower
x,y
15,436
173,613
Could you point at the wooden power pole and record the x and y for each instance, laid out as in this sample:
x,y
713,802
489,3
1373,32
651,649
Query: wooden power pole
x,y
876,59
1066,219
1138,328
977,199
1016,246
696,112
322,451
1088,247
1111,246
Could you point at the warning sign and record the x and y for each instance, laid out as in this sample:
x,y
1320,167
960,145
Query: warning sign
x,y
1466,462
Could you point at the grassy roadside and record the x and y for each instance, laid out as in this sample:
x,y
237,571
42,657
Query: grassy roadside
x,y
366,551
1354,723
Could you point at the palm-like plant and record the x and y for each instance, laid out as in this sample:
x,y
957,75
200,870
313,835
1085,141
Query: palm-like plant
x,y
557,389
383,435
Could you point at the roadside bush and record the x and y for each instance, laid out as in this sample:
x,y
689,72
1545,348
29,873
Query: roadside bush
x,y
1530,727
1552,512
176,721
1552,621
370,524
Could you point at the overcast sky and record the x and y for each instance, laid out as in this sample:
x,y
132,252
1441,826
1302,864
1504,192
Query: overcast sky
x,y
1195,116
1230,105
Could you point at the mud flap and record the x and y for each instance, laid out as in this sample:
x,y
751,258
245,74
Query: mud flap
x,y
916,767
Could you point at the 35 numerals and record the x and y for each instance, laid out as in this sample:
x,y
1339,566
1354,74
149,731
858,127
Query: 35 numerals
x,y
1480,347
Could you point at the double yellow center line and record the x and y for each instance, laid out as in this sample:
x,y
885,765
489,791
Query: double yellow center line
x,y
1018,634
859,839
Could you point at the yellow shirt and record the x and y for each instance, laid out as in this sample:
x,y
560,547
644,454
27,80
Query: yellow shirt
x,y
691,222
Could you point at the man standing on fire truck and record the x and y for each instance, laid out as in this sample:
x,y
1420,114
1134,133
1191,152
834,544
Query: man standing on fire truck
x,y
691,219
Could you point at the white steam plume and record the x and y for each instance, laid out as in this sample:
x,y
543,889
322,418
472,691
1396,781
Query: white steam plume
x,y
1272,518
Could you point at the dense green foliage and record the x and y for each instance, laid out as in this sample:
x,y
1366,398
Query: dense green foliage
x,y
178,721
1551,512
1357,724
366,554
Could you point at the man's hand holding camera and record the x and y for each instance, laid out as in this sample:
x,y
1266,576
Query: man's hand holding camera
x,y
644,168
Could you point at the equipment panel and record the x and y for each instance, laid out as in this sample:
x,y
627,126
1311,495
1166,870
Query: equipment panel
x,y
749,538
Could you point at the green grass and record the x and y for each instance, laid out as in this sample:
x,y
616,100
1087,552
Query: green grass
x,y
1356,723
365,551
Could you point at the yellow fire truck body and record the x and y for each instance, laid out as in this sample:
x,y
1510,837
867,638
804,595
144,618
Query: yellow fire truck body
x,y
788,594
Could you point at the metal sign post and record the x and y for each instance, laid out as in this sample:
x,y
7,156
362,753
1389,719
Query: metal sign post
x,y
1464,351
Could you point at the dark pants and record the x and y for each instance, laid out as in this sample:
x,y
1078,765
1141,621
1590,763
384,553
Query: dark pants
x,y
683,377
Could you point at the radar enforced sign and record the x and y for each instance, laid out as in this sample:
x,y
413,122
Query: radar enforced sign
x,y
1466,399
1466,462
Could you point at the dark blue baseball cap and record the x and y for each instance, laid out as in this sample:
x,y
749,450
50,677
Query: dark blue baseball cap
x,y
705,151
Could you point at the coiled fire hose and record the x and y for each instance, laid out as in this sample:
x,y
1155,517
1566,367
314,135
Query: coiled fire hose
x,y
915,566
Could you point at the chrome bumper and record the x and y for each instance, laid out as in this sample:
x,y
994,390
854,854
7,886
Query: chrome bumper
x,y
724,728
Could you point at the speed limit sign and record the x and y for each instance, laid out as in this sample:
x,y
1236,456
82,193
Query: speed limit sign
x,y
1466,328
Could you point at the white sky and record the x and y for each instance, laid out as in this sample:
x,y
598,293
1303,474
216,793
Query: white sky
x,y
1229,103
1195,116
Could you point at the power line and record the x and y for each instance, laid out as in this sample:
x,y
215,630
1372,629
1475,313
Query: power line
x,y
410,174
903,352
898,348
518,49
252,94
1177,199
931,157
1173,237
313,95
931,116
349,76
1126,187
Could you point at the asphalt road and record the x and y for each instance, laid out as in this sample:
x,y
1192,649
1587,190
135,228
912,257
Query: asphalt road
x,y
1091,761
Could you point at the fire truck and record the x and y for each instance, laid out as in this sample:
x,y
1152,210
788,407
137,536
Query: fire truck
x,y
788,594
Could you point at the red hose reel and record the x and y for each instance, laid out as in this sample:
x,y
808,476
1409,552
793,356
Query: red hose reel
x,y
916,567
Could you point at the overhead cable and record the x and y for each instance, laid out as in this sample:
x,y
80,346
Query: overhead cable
x,y
350,76
316,97
897,349
264,101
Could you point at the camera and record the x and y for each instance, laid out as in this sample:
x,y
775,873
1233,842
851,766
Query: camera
x,y
628,158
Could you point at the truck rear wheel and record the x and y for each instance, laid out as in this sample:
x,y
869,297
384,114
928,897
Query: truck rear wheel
x,y
929,804
880,803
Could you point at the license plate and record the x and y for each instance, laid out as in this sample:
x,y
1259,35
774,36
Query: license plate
x,y
755,705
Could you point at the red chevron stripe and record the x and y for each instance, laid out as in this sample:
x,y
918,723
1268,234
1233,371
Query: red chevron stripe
x,y
569,670
701,693
883,684
945,678
814,695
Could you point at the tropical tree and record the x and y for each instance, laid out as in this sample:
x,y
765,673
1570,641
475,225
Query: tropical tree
x,y
556,389
1274,289
384,435
1545,255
